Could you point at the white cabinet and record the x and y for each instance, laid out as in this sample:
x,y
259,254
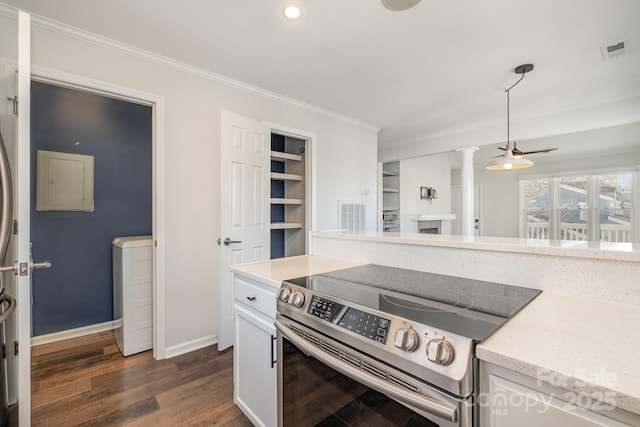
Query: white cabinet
x,y
509,399
254,354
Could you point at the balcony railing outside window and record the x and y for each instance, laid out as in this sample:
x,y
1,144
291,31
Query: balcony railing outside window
x,y
569,231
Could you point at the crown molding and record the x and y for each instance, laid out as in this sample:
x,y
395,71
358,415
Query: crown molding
x,y
123,48
9,11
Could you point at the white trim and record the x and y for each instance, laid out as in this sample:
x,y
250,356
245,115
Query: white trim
x,y
591,171
23,204
158,220
186,347
74,333
123,48
8,11
98,87
74,81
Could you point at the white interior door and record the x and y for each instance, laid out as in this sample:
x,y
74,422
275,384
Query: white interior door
x,y
244,218
22,174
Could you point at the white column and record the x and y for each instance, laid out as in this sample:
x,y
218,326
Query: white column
x,y
466,183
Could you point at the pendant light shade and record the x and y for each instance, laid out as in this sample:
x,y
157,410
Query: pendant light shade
x,y
509,161
399,5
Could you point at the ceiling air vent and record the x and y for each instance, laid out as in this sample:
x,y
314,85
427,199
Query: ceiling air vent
x,y
615,50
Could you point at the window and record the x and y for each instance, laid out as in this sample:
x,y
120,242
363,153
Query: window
x,y
573,207
614,194
579,207
537,204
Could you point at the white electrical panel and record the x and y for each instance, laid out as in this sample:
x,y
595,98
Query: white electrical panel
x,y
64,182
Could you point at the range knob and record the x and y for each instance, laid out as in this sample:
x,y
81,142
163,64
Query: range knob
x,y
283,294
406,339
440,351
297,299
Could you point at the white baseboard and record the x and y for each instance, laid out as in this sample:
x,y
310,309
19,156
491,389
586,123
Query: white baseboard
x,y
186,347
74,333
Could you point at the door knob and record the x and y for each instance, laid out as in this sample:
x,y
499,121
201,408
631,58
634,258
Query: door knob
x,y
13,268
21,268
37,265
228,241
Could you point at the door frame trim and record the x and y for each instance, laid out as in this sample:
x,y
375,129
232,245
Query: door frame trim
x,y
156,102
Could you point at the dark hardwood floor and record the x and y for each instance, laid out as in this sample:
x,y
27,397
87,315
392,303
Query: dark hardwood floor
x,y
86,381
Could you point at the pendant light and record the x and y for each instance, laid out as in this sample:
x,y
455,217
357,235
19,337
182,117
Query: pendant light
x,y
399,5
509,161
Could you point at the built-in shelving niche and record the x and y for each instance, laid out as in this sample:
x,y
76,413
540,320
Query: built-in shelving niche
x,y
391,196
288,196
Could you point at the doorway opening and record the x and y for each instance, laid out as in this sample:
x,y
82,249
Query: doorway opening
x,y
115,136
289,201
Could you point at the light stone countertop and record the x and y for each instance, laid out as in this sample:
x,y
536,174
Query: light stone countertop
x,y
273,272
585,346
565,248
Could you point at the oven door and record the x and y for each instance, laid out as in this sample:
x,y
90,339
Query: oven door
x,y
322,382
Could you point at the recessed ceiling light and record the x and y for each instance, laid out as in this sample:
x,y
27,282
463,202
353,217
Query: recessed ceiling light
x,y
292,12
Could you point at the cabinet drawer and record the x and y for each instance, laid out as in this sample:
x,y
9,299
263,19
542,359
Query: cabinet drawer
x,y
256,297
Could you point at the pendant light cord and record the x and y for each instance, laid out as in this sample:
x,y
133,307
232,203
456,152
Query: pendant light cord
x,y
512,86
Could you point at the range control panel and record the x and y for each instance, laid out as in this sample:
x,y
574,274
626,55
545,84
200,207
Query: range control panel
x,y
362,323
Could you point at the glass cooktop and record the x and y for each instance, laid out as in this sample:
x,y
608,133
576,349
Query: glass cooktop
x,y
471,308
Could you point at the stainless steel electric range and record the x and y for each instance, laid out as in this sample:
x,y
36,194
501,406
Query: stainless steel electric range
x,y
374,345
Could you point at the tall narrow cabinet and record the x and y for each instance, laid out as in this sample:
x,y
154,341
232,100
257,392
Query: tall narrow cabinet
x,y
289,205
391,196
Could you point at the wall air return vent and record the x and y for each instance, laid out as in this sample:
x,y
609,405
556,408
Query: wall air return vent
x,y
615,50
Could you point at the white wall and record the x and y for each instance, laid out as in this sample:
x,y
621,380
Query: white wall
x,y
346,157
428,171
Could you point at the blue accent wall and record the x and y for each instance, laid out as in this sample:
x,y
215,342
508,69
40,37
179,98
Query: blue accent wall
x,y
77,291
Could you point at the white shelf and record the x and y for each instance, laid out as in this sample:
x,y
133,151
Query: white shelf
x,y
285,177
390,190
285,156
277,201
285,225
390,208
387,172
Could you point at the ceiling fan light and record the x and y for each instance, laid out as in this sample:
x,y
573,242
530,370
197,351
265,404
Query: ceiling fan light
x,y
399,5
508,162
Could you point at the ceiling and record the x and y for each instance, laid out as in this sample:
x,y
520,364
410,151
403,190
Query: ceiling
x,y
437,69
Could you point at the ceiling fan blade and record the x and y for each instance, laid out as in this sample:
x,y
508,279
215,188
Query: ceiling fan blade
x,y
546,150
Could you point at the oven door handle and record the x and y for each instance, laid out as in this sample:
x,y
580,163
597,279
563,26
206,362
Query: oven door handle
x,y
431,406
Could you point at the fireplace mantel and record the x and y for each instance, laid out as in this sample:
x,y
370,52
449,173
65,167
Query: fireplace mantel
x,y
432,217
431,223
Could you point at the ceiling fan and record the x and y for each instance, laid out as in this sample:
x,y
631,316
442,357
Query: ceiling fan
x,y
518,153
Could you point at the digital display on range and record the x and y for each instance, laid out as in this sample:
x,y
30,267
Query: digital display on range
x,y
357,321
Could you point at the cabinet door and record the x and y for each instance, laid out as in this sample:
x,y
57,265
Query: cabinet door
x,y
515,405
254,367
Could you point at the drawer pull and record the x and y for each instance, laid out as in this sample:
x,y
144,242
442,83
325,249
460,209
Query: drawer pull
x,y
273,359
251,298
